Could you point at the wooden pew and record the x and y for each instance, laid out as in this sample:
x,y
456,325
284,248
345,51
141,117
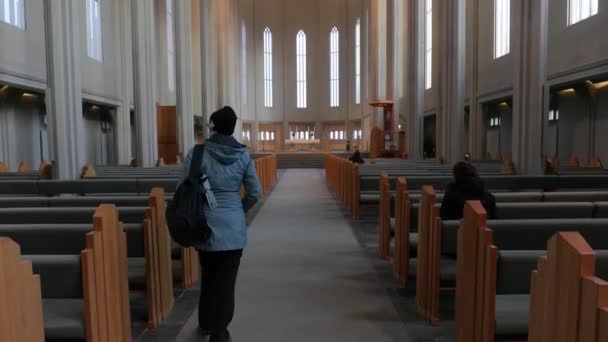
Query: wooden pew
x,y
157,254
425,282
20,294
568,302
24,167
402,232
105,279
384,228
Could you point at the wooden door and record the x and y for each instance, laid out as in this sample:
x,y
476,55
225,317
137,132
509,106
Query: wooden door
x,y
167,133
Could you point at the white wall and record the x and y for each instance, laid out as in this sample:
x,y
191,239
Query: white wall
x,y
579,45
601,125
285,18
495,75
22,53
101,80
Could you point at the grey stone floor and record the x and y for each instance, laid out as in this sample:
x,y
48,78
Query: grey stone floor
x,y
304,276
310,273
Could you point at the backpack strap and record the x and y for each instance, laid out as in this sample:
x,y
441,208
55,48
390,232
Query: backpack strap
x,y
197,159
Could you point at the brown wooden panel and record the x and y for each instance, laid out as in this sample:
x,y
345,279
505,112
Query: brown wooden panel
x,y
473,221
594,296
167,133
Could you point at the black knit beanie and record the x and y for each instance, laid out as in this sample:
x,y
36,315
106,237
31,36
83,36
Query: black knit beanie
x,y
224,121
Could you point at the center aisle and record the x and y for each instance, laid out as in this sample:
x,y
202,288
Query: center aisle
x,y
304,277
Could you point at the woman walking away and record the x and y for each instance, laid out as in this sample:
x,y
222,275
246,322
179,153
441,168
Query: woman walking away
x,y
466,186
227,165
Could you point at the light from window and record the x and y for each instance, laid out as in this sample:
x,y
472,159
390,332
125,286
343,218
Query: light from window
x,y
244,62
272,136
334,68
268,103
94,39
579,10
170,46
502,28
428,60
357,134
331,135
13,12
495,122
301,69
341,135
358,61
554,115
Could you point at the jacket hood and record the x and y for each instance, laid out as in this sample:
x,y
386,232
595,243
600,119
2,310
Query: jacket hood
x,y
224,149
473,186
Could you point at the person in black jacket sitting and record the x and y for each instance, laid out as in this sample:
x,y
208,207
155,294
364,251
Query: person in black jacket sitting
x,y
356,158
466,186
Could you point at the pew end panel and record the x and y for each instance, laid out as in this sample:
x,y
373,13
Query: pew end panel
x,y
21,297
471,236
162,260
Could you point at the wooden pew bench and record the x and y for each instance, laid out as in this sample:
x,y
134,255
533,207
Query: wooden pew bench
x,y
150,263
495,275
537,222
20,295
85,294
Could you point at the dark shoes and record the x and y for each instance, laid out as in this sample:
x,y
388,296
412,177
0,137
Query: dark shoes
x,y
223,336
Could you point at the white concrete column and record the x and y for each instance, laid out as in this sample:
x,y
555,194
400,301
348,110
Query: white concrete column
x,y
209,57
220,44
125,72
64,92
415,72
477,129
530,73
453,87
183,59
400,60
145,77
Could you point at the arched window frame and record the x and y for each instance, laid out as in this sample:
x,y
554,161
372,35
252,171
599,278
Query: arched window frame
x,y
268,82
334,68
301,71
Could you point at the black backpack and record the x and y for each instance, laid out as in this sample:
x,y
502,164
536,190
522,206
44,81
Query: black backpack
x,y
185,217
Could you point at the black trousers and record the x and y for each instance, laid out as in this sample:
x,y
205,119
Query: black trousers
x,y
218,280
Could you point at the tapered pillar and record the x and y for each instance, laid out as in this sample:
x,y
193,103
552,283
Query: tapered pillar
x,y
453,80
477,129
415,73
64,92
183,52
124,151
209,57
145,78
530,72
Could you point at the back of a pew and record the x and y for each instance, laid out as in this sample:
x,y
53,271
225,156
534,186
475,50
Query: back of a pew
x,y
20,295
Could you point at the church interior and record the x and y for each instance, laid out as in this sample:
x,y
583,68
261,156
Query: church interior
x,y
357,117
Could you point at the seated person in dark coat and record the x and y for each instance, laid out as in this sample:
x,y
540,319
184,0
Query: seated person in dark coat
x,y
466,186
356,158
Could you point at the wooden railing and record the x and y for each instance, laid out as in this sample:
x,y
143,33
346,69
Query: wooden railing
x,y
267,172
342,178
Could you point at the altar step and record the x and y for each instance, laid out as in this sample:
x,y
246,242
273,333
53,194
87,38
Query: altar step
x,y
304,160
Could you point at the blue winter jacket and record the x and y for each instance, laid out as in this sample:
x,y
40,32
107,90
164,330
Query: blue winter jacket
x,y
228,166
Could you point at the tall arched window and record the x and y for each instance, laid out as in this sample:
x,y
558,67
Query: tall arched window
x,y
579,10
428,58
170,46
334,68
268,103
502,28
358,61
244,62
13,12
301,69
94,39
